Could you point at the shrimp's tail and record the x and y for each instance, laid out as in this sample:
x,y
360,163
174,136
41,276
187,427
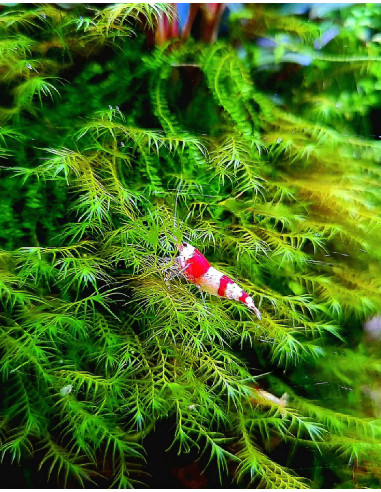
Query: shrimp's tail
x,y
246,299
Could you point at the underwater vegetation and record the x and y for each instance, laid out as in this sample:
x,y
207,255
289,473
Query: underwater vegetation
x,y
250,132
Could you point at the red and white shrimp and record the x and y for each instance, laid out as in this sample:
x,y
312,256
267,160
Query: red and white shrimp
x,y
196,268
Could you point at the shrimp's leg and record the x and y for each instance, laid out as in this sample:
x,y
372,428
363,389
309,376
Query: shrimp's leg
x,y
173,271
202,295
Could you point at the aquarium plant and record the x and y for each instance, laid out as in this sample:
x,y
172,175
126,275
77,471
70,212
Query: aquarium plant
x,y
248,132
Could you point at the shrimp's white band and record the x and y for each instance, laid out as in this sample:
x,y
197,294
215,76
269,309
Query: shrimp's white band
x,y
210,281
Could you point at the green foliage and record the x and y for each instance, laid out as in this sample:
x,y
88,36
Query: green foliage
x,y
281,193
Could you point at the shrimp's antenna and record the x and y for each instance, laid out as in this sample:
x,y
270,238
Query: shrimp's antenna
x,y
175,215
175,212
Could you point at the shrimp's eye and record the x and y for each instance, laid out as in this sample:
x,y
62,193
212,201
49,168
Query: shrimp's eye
x,y
184,245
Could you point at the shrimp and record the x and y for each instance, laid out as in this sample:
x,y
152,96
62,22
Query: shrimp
x,y
197,270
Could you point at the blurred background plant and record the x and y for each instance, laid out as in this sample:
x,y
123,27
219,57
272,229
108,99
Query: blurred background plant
x,y
259,123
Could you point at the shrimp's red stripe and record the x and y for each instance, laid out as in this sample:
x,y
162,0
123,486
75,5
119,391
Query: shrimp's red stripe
x,y
243,297
224,282
197,266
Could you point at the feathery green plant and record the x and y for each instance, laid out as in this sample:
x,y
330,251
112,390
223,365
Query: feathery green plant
x,y
101,141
